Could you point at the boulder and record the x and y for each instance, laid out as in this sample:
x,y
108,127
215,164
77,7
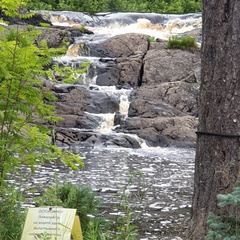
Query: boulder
x,y
55,37
123,45
164,131
72,137
101,102
170,65
127,51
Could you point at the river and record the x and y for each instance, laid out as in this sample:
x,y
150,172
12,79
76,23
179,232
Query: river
x,y
158,182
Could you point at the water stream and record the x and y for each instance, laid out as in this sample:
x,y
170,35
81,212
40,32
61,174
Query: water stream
x,y
157,181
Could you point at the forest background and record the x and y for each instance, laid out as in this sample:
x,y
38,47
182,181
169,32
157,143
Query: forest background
x,y
93,6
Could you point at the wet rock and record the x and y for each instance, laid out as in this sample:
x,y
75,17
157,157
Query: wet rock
x,y
73,137
36,20
78,49
108,76
54,37
128,50
178,98
163,104
170,65
123,141
164,131
123,45
101,102
151,109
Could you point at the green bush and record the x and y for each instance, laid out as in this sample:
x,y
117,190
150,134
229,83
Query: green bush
x,y
151,39
185,42
226,226
92,6
80,198
11,216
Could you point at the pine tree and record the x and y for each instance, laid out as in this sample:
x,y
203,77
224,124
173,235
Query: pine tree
x,y
227,225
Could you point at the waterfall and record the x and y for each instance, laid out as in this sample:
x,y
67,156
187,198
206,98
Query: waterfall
x,y
163,201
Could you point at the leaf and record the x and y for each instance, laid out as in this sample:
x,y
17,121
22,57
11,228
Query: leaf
x,y
25,106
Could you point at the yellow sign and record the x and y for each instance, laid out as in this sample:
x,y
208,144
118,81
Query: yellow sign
x,y
51,223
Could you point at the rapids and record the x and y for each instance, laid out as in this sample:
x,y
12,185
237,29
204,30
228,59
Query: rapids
x,y
158,182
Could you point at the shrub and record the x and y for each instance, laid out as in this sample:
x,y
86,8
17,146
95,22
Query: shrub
x,y
11,216
185,42
80,198
151,39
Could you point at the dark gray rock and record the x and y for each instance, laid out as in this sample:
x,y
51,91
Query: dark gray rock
x,y
72,137
164,101
55,37
170,65
128,50
101,102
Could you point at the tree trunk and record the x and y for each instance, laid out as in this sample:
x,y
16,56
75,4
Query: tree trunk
x,y
218,144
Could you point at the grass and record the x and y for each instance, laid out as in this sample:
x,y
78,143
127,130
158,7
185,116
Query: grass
x,y
151,39
45,25
94,226
12,217
184,43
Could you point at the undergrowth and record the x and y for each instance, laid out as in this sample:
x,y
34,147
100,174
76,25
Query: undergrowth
x,y
184,43
226,226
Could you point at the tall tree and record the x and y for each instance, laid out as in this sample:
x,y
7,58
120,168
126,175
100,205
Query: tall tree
x,y
218,145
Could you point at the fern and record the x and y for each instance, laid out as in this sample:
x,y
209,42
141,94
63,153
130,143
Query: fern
x,y
25,106
12,8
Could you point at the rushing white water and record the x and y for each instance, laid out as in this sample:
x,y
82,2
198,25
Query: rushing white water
x,y
104,25
160,195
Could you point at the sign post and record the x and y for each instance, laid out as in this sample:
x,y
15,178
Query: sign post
x,y
51,223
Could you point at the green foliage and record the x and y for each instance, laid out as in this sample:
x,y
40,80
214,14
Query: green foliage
x,y
80,198
45,25
124,226
227,225
11,216
25,105
92,6
94,230
12,8
185,42
42,236
68,74
151,39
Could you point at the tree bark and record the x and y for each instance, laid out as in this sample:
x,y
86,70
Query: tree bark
x,y
217,156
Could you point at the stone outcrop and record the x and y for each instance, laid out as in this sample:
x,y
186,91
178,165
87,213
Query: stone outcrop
x,y
128,51
163,103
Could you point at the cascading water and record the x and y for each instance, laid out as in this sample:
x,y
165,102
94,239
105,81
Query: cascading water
x,y
167,173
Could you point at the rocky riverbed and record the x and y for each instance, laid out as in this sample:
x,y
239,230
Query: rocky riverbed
x,y
147,153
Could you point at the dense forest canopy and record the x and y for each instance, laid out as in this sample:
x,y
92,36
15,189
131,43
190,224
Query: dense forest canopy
x,y
92,6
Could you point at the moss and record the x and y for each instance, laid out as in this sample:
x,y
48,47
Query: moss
x,y
45,24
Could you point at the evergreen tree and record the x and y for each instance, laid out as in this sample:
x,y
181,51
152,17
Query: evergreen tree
x,y
226,225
